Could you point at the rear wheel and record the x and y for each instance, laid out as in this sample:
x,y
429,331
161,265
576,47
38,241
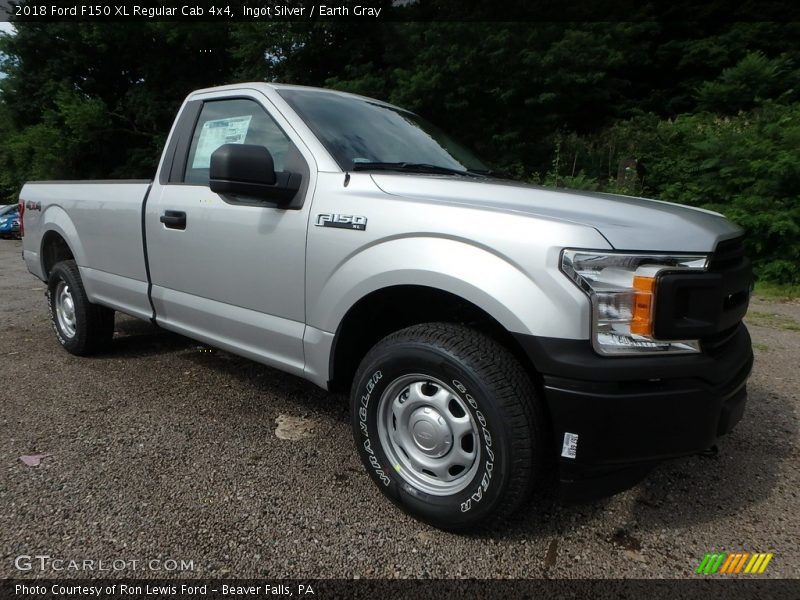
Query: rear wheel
x,y
447,423
81,327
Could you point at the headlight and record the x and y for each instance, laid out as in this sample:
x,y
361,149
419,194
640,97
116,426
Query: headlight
x,y
623,292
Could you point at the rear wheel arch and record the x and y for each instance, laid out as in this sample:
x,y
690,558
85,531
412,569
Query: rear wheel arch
x,y
54,249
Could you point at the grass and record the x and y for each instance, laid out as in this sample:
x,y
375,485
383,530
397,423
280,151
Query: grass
x,y
772,320
776,291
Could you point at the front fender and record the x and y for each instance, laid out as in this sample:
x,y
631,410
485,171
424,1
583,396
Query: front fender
x,y
534,303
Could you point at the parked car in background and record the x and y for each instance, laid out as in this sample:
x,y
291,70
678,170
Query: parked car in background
x,y
9,222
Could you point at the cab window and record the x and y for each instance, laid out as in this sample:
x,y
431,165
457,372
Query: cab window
x,y
238,121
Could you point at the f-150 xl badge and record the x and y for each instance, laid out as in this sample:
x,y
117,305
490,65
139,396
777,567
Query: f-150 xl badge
x,y
341,221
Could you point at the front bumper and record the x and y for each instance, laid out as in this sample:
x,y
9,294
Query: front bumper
x,y
631,413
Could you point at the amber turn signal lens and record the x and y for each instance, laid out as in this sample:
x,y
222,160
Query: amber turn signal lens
x,y
642,323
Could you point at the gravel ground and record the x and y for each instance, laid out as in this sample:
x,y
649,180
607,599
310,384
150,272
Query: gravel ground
x,y
165,449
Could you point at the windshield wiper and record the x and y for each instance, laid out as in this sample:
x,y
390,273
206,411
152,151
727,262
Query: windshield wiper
x,y
407,167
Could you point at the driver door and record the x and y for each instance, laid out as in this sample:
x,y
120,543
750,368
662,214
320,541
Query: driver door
x,y
230,271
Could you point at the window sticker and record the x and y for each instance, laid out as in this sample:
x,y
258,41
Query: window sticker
x,y
217,132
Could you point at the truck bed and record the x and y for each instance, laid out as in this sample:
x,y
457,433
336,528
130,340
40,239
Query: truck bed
x,y
103,219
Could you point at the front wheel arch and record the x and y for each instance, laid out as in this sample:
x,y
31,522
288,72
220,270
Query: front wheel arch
x,y
390,309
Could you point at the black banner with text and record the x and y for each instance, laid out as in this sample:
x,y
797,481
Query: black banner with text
x,y
399,10
112,589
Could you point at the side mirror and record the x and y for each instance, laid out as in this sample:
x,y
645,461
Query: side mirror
x,y
248,170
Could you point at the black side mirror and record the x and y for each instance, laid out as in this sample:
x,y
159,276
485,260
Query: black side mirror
x,y
248,170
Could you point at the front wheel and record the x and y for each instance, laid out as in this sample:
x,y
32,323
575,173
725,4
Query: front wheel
x,y
448,424
81,327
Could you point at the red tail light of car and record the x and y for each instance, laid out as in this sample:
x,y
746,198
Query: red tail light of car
x,y
21,217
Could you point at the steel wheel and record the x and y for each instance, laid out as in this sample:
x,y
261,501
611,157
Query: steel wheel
x,y
428,434
65,309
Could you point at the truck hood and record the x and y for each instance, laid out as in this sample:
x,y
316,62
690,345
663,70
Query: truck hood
x,y
628,223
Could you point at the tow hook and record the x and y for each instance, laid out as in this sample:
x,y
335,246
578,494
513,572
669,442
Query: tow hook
x,y
712,451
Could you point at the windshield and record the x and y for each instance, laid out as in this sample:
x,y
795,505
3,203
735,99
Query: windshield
x,y
356,130
5,211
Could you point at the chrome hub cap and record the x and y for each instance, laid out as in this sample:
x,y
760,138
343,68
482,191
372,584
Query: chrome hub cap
x,y
65,310
428,434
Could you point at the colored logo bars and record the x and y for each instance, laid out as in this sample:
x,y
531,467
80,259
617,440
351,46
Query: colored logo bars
x,y
736,562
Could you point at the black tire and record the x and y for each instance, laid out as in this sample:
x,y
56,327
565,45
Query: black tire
x,y
478,374
93,324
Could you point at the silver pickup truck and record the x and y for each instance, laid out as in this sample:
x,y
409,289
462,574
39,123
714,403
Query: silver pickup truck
x,y
484,328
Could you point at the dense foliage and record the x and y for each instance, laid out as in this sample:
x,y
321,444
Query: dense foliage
x,y
706,115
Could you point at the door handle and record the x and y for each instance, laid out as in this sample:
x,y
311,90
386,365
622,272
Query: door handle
x,y
174,219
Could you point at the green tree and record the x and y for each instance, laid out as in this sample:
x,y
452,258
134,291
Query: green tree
x,y
709,109
97,100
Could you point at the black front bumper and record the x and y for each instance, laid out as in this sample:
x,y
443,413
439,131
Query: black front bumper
x,y
631,413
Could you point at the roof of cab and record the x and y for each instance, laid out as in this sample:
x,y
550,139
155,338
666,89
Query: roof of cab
x,y
262,85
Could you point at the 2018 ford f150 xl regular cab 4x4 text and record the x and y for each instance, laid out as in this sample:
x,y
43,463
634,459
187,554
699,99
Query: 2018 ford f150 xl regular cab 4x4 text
x,y
483,327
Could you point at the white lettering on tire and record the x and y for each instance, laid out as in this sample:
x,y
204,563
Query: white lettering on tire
x,y
362,418
477,496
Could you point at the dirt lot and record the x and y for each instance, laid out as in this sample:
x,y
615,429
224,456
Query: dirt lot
x,y
164,449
